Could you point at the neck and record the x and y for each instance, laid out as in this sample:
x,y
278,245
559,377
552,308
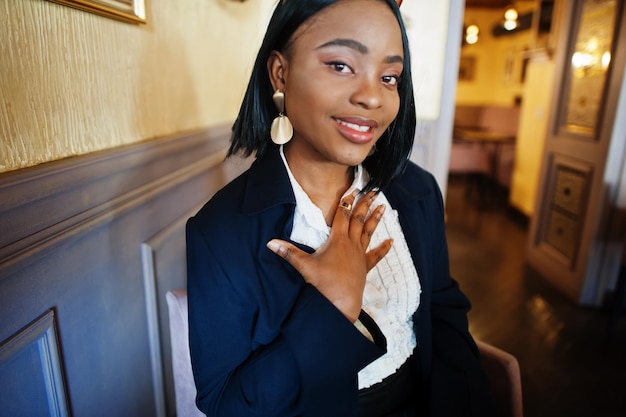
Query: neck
x,y
324,182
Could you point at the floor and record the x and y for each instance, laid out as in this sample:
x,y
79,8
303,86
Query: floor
x,y
571,364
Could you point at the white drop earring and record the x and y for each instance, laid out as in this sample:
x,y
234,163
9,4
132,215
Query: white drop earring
x,y
281,131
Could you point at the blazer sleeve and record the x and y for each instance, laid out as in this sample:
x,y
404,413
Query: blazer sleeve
x,y
458,383
310,363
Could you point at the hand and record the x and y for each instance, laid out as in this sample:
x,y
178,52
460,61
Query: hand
x,y
338,268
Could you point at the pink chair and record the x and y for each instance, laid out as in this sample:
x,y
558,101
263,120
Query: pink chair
x,y
505,379
184,385
469,158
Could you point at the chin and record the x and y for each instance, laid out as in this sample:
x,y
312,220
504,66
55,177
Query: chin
x,y
353,160
350,155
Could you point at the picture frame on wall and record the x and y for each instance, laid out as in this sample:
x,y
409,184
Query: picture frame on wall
x,y
130,11
467,68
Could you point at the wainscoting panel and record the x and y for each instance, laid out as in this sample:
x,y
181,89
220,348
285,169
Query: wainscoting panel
x,y
31,376
164,269
98,240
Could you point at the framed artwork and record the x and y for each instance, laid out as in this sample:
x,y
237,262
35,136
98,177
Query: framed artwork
x,y
131,11
467,68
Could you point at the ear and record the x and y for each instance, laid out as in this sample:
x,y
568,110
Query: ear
x,y
277,70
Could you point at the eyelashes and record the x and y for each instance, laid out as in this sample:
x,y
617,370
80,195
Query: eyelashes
x,y
341,67
391,80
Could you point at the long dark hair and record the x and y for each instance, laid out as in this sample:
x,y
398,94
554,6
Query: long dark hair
x,y
252,126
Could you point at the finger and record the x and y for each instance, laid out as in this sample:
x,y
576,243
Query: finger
x,y
289,252
370,225
375,255
343,212
359,215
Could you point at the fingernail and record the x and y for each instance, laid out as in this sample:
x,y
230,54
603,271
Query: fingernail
x,y
273,246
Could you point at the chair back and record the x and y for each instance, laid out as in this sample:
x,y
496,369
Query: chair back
x,y
505,380
184,385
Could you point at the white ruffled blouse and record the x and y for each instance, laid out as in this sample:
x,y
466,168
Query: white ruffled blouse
x,y
392,288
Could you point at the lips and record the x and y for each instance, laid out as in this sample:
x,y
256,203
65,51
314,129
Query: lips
x,y
355,129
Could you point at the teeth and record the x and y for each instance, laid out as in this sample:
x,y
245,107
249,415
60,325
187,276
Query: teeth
x,y
354,126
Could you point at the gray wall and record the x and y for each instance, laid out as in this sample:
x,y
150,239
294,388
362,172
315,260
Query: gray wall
x,y
88,248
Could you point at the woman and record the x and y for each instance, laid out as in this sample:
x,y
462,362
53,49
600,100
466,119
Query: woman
x,y
318,280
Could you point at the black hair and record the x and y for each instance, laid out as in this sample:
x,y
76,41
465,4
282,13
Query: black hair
x,y
252,126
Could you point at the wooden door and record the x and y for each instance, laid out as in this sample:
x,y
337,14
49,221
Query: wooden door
x,y
566,243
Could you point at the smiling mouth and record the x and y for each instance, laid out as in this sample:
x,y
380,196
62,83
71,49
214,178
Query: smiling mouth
x,y
354,126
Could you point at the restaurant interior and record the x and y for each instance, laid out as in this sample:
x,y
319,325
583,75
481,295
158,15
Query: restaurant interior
x,y
571,354
115,118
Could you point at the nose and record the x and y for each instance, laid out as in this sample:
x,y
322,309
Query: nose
x,y
368,93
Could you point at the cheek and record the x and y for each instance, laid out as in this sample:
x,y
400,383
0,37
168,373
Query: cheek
x,y
308,102
393,107
299,105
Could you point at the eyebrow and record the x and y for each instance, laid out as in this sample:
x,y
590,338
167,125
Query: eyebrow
x,y
359,47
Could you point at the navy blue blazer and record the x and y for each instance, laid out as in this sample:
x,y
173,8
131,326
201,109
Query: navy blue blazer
x,y
265,343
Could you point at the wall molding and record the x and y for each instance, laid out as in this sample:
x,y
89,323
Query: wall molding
x,y
155,287
100,186
38,341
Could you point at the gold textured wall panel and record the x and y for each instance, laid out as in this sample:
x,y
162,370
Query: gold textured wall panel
x,y
72,82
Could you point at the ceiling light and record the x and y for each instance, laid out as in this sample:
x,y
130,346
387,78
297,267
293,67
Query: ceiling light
x,y
510,24
510,14
472,30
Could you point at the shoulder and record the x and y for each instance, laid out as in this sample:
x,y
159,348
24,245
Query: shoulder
x,y
414,182
259,201
225,203
415,172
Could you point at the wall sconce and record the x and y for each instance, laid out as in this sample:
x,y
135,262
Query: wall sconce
x,y
510,18
470,34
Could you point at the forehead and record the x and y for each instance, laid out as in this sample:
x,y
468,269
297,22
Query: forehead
x,y
371,21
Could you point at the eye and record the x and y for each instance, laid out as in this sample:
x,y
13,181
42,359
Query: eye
x,y
390,79
340,67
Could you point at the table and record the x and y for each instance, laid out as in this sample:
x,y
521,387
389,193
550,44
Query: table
x,y
484,137
490,143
